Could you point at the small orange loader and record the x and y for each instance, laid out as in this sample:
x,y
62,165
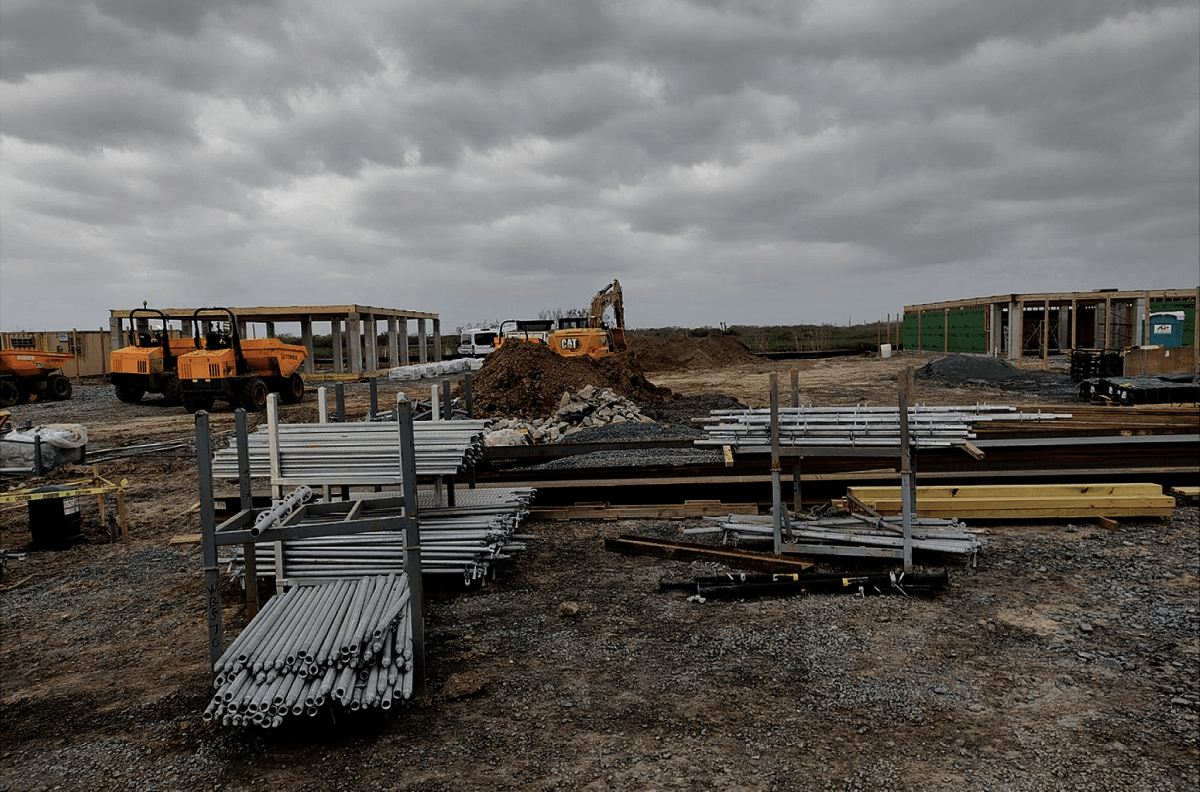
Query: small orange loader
x,y
242,372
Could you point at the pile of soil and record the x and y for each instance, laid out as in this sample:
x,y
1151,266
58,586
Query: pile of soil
x,y
968,368
527,380
679,354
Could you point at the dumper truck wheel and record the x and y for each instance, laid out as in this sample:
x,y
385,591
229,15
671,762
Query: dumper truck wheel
x,y
129,395
59,388
293,390
254,395
172,394
9,395
195,404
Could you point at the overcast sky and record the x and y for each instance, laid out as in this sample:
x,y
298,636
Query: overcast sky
x,y
740,162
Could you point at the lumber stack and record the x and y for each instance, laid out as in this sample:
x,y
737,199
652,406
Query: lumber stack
x,y
1022,501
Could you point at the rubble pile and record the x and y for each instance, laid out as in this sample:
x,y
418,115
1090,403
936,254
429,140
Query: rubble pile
x,y
527,380
585,409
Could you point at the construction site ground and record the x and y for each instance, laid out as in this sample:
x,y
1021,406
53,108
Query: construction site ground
x,y
1067,659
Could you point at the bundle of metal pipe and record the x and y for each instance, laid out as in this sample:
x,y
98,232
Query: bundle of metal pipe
x,y
348,641
742,585
929,427
467,540
368,453
856,535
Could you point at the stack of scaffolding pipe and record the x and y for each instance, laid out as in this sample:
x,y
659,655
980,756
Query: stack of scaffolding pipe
x,y
933,534
929,427
464,540
348,641
359,452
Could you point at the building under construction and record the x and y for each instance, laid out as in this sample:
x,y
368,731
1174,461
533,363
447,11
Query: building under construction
x,y
1017,326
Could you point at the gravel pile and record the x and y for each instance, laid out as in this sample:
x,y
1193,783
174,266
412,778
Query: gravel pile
x,y
980,370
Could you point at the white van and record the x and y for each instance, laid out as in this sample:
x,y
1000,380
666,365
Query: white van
x,y
477,342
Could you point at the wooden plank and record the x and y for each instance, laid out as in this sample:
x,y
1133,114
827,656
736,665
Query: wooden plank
x,y
962,512
681,551
1000,491
181,539
1107,524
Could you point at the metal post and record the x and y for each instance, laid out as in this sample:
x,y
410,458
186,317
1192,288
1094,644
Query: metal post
x,y
247,500
906,500
776,495
374,397
339,391
447,401
470,408
796,503
208,533
37,454
412,540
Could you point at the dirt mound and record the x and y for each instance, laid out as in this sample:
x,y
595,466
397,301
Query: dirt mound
x,y
967,368
527,380
684,352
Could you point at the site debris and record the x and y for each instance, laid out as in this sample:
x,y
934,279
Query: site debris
x,y
1052,653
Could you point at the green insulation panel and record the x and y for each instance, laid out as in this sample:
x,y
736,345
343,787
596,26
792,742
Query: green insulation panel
x,y
966,332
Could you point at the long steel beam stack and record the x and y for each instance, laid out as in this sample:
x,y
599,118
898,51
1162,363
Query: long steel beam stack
x,y
348,641
748,431
355,453
853,536
468,539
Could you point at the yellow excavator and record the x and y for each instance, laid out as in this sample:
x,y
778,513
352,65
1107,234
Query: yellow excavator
x,y
578,335
242,372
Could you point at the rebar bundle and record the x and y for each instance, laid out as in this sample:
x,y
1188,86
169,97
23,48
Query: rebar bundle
x,y
348,641
929,427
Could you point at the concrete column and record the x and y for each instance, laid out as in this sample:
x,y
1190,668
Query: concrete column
x,y
422,341
306,338
393,351
1015,322
437,339
335,336
354,345
241,329
402,344
371,336
270,331
115,336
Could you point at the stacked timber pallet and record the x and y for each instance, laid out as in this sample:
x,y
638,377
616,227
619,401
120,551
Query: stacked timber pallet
x,y
347,642
1020,501
854,536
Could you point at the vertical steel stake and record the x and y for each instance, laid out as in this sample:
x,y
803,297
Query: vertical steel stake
x,y
208,533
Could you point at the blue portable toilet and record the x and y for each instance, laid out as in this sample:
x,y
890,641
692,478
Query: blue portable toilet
x,y
1166,329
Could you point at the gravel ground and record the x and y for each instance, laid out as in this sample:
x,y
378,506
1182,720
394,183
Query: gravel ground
x,y
1069,659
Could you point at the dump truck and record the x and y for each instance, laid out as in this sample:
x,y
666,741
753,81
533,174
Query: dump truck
x,y
588,335
148,364
28,374
240,371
